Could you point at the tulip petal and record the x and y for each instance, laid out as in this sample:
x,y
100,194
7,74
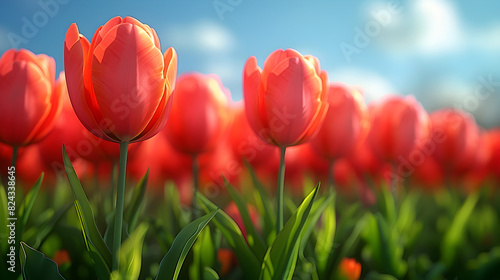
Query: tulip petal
x,y
127,75
251,85
292,100
276,58
159,119
26,102
76,50
170,69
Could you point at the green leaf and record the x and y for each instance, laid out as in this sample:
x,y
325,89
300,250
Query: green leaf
x,y
133,209
453,237
232,233
377,276
4,231
382,241
317,209
326,236
254,239
204,254
131,254
28,201
171,264
387,204
209,274
264,205
98,250
35,265
281,257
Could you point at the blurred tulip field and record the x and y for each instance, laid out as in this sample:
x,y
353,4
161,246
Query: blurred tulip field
x,y
125,166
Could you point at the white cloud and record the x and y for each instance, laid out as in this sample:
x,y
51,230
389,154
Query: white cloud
x,y
434,27
424,26
201,36
374,86
486,39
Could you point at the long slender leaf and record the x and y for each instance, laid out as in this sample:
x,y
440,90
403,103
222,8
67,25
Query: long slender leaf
x,y
257,244
326,236
232,233
281,257
133,209
264,205
28,201
209,274
36,266
455,233
100,253
171,263
131,255
4,231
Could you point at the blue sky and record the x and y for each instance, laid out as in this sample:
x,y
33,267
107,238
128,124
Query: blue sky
x,y
440,51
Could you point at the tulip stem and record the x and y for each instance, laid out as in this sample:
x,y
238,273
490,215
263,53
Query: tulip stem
x,y
195,186
330,175
281,183
14,156
120,197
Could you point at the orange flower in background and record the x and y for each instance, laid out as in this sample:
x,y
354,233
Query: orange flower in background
x,y
398,125
349,269
456,151
29,103
346,123
286,100
199,113
120,85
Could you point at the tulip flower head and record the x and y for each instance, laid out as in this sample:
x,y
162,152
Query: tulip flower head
x,y
457,151
346,123
286,100
398,125
29,103
120,84
199,113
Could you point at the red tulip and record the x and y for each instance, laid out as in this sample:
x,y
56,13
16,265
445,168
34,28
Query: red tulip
x,y
350,269
245,144
493,137
456,151
29,104
286,100
198,113
398,125
120,85
346,123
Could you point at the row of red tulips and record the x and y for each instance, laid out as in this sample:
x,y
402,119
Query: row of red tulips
x,y
359,141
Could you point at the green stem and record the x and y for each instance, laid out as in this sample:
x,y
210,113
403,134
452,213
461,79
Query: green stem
x,y
120,197
330,175
281,183
14,157
195,185
113,183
